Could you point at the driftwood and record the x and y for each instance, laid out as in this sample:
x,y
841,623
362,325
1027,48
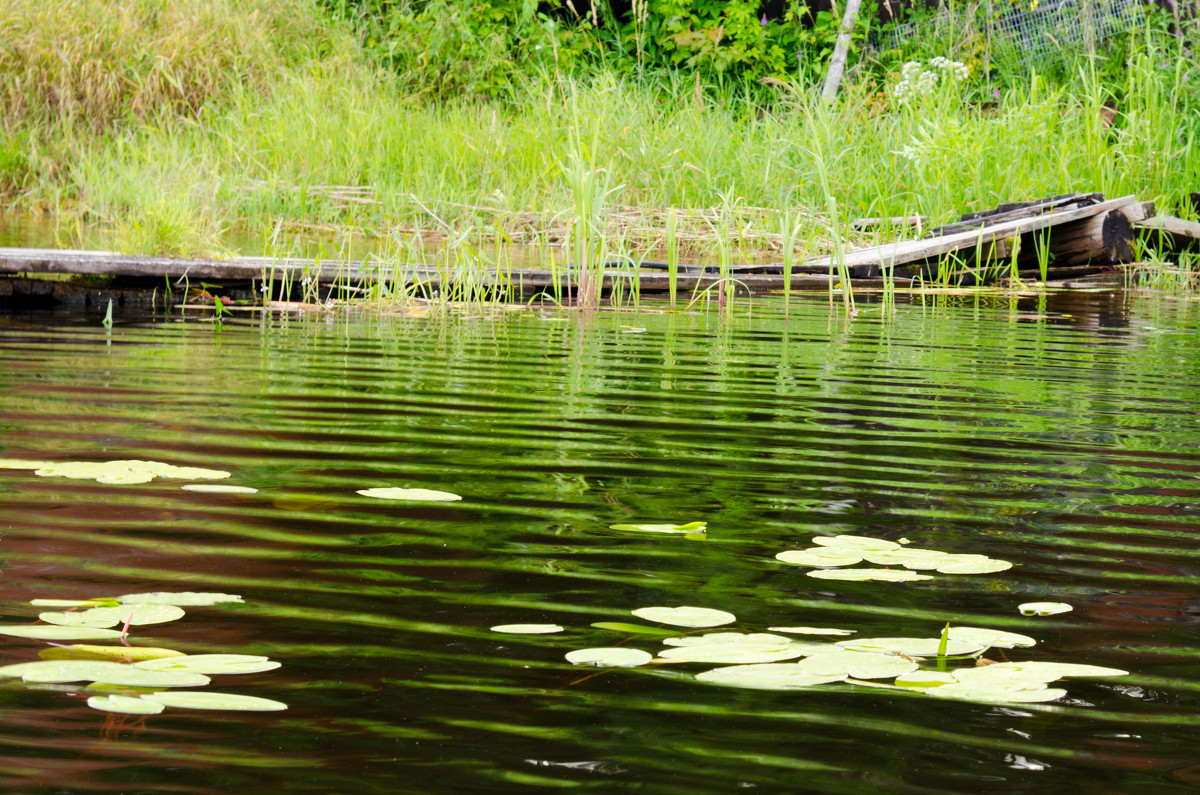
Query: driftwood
x,y
1166,232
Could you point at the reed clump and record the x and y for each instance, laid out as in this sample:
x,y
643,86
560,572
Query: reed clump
x,y
91,63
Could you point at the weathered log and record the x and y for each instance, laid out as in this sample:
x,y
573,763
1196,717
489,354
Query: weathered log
x,y
1168,233
1104,239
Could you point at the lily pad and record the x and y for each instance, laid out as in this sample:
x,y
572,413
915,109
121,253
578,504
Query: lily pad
x,y
614,657
712,638
818,557
812,630
686,616
1032,693
217,488
858,575
59,671
946,559
985,566
925,679
732,653
80,651
137,615
858,664
69,603
190,699
210,664
912,647
423,495
1035,671
126,705
527,629
993,638
690,527
1044,608
55,632
898,557
856,543
180,599
768,676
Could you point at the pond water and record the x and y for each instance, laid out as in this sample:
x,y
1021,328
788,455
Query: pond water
x,y
1059,434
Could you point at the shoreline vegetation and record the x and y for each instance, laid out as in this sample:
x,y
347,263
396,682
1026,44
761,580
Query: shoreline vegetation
x,y
294,128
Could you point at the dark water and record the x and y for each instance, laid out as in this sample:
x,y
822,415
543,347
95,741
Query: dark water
x,y
1061,436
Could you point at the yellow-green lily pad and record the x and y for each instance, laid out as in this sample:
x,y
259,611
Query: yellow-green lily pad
x,y
858,664
713,638
126,705
686,616
768,676
985,566
812,630
420,495
527,629
217,488
732,653
60,671
862,575
993,638
614,657
1028,694
925,679
179,599
856,543
192,699
137,615
56,632
818,557
80,651
210,664
1044,608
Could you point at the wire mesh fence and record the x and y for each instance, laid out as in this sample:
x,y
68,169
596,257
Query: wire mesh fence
x,y
1030,30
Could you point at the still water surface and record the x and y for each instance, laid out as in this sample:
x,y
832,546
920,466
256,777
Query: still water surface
x,y
1062,437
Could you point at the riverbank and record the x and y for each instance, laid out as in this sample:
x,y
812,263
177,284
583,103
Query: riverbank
x,y
297,141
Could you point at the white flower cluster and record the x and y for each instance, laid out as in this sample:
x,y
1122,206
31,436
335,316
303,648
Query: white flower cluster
x,y
917,80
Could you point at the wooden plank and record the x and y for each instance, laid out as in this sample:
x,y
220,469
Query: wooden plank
x,y
1168,232
874,261
1103,239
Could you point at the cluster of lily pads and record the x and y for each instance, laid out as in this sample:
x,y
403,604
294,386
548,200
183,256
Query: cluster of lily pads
x,y
773,661
128,472
832,553
130,679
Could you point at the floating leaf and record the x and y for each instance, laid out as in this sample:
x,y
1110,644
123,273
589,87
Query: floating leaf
x,y
59,671
68,603
1044,608
912,647
1032,693
1035,671
180,599
137,615
609,657
527,629
690,527
210,664
818,557
125,471
686,616
81,651
937,561
732,653
991,637
925,679
812,631
216,488
858,664
189,699
884,575
767,676
54,632
634,629
899,557
856,543
426,495
126,705
985,566
710,638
